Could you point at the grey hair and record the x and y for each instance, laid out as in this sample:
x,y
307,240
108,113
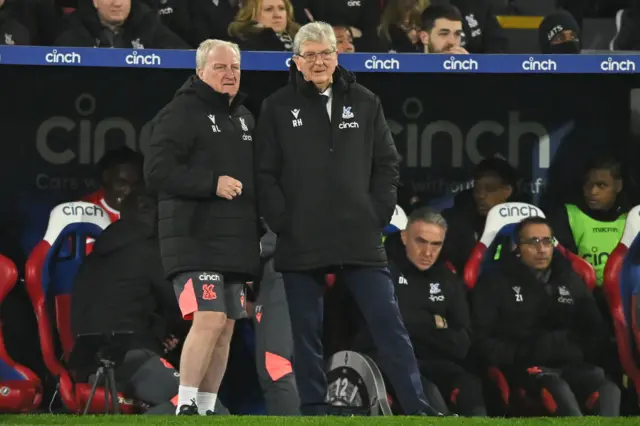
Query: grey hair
x,y
427,215
208,46
320,32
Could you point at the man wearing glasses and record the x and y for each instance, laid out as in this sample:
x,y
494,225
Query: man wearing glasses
x,y
200,161
535,319
327,176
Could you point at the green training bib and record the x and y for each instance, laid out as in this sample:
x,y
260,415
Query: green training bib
x,y
595,239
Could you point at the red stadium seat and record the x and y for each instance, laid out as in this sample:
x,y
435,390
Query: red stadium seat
x,y
620,277
499,228
20,388
50,271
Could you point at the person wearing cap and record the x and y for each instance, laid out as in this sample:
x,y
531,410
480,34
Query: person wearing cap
x,y
559,33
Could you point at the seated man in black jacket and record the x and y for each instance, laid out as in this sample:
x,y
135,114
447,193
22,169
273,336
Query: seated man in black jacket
x,y
535,319
120,286
127,24
434,309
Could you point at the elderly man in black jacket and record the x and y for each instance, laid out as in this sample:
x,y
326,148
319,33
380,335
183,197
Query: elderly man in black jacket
x,y
535,319
200,159
327,173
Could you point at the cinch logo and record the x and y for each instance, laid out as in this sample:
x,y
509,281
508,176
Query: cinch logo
x,y
352,125
382,64
77,210
522,211
209,277
613,66
596,259
453,64
533,65
135,59
246,137
288,62
63,58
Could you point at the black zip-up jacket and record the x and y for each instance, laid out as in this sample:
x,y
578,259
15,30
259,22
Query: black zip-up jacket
x,y
327,188
423,294
29,22
195,139
120,286
176,16
142,30
519,321
12,30
483,33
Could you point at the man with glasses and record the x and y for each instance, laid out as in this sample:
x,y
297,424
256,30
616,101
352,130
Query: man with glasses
x,y
200,161
535,319
327,177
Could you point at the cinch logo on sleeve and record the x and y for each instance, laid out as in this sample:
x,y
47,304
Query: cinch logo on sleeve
x,y
62,58
614,66
453,64
533,65
78,210
209,277
135,59
381,64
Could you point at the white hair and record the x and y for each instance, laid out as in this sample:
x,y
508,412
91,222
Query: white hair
x,y
320,32
208,46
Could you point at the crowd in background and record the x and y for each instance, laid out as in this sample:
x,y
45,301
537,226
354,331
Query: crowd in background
x,y
269,25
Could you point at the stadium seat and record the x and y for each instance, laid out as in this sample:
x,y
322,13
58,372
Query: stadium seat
x,y
499,229
49,275
20,388
621,283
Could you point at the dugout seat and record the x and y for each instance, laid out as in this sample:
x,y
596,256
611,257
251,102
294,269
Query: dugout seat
x,y
622,290
49,274
20,388
498,233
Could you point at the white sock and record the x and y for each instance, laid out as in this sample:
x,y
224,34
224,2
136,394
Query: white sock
x,y
186,396
206,401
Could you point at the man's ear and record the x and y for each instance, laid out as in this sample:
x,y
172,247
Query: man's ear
x,y
403,236
618,185
424,37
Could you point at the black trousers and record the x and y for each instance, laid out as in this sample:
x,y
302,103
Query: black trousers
x,y
449,387
572,390
373,291
146,377
274,346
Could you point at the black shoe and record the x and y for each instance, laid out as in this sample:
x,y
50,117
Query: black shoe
x,y
188,410
210,413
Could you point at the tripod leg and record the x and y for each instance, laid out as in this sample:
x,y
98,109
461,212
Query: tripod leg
x,y
93,389
106,390
111,377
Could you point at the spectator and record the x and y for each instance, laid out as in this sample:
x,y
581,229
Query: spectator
x,y
28,22
12,31
344,39
442,30
120,24
535,319
593,226
433,304
211,19
120,287
559,33
200,159
120,173
176,16
400,24
264,25
495,182
482,31
362,17
316,238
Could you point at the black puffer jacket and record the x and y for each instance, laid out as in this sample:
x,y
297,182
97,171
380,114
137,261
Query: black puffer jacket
x,y
142,30
195,139
327,187
519,321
